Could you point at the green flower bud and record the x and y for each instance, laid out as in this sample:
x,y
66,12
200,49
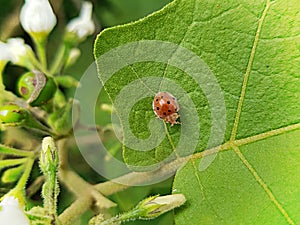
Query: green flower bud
x,y
49,156
73,57
49,165
13,115
36,88
155,206
149,208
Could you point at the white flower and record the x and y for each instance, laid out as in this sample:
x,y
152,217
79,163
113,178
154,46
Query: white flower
x,y
5,53
19,51
83,25
11,212
16,51
37,16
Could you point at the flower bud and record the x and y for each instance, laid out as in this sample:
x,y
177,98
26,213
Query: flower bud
x,y
37,18
155,206
82,26
49,156
73,56
11,212
36,88
13,115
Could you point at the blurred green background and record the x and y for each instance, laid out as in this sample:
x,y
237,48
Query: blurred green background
x,y
107,13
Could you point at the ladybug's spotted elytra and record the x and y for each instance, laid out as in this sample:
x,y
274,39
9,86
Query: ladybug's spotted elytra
x,y
166,107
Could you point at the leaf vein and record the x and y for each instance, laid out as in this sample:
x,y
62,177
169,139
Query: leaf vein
x,y
227,146
263,184
247,73
202,190
221,14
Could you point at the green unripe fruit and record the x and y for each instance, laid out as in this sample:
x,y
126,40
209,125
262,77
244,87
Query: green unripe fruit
x,y
36,88
26,85
12,114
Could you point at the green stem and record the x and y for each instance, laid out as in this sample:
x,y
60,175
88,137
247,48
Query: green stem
x,y
60,58
33,123
23,180
131,215
72,213
84,202
50,192
37,64
41,52
2,65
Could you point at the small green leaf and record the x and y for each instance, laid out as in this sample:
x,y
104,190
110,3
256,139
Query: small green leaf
x,y
12,151
13,174
11,162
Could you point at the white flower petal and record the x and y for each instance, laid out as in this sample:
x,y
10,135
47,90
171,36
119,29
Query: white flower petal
x,y
37,16
17,49
5,53
11,213
83,25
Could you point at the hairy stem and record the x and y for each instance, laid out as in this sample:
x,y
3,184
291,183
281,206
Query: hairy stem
x,y
77,208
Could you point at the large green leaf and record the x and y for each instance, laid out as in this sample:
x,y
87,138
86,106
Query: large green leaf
x,y
253,50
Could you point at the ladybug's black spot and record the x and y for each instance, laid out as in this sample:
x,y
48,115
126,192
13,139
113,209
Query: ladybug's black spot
x,y
169,110
156,100
157,108
161,96
173,98
175,109
168,102
165,113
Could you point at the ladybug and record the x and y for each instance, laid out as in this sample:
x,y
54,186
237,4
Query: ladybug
x,y
166,107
